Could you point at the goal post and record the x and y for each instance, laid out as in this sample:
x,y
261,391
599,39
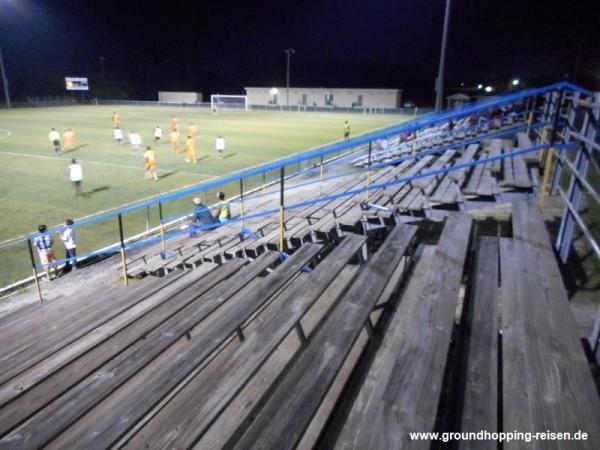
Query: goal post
x,y
229,102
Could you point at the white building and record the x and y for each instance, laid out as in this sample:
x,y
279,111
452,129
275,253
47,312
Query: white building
x,y
340,97
179,97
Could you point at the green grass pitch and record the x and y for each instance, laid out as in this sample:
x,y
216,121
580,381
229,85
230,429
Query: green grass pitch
x,y
35,189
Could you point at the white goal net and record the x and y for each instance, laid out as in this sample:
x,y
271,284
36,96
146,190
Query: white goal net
x,y
229,102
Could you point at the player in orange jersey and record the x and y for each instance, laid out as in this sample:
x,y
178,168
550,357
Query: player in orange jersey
x,y
190,150
192,130
69,139
174,123
116,120
175,141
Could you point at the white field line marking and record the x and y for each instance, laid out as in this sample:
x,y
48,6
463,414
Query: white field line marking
x,y
5,133
98,163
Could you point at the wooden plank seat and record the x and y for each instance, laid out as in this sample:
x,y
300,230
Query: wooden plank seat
x,y
188,415
68,408
25,343
480,408
523,142
309,377
495,149
402,389
547,383
32,388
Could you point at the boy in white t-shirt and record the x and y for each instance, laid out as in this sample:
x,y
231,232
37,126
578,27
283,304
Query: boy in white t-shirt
x,y
76,176
220,146
118,135
68,238
136,141
157,135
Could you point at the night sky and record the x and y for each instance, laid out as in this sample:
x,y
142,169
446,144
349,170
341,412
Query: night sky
x,y
222,46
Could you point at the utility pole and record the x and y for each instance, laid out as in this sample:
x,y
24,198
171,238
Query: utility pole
x,y
4,80
439,82
289,52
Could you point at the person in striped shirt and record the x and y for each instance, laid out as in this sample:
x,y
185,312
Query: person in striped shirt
x,y
44,244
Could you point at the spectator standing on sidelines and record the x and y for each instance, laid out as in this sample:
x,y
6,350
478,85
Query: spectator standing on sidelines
x,y
118,135
157,135
69,139
54,138
346,130
44,244
223,214
220,146
136,141
76,176
68,238
190,150
150,163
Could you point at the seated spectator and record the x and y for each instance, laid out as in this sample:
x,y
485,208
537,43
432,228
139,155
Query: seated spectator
x,y
201,217
223,214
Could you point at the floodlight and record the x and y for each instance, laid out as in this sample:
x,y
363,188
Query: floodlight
x,y
515,82
488,89
274,91
480,86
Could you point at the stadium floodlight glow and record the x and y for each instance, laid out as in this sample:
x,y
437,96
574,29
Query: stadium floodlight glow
x,y
515,82
274,91
488,89
480,86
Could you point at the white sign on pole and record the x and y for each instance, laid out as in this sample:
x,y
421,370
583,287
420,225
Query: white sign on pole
x,y
77,84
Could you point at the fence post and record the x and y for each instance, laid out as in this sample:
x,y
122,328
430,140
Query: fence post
x,y
242,199
368,174
34,269
281,210
162,227
123,256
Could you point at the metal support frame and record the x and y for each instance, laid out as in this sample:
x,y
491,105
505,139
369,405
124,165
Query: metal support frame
x,y
368,173
552,139
567,137
242,201
573,198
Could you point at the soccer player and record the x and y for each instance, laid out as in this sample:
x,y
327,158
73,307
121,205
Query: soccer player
x,y
220,146
116,120
118,135
175,141
190,150
44,245
174,123
54,137
150,162
223,214
75,172
346,130
157,135
192,130
136,141
69,139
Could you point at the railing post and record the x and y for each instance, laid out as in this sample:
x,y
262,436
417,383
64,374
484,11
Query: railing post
x,y
281,211
368,174
34,270
162,227
123,255
242,199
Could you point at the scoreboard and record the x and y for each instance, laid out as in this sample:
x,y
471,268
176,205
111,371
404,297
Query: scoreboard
x,y
76,84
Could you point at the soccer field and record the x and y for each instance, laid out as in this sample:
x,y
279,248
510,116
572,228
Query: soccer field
x,y
33,182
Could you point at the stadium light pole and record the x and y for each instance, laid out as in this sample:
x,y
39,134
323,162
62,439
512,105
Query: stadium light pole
x,y
289,52
439,82
4,80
